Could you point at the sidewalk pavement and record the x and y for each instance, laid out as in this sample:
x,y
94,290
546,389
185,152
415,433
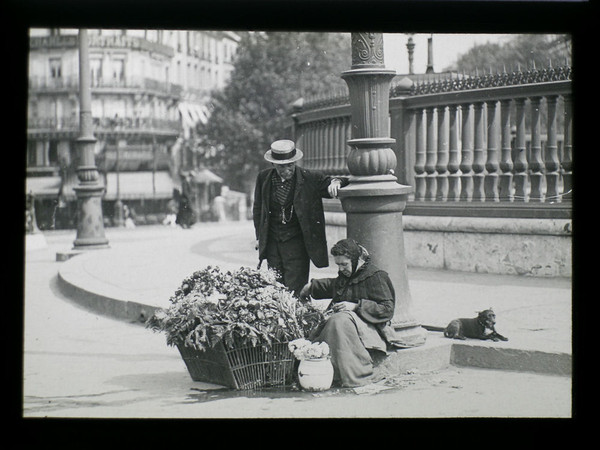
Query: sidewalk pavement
x,y
82,357
143,267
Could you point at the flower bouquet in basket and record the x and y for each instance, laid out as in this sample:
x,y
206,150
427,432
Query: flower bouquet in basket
x,y
232,328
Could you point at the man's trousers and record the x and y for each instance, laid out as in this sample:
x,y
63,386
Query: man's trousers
x,y
291,260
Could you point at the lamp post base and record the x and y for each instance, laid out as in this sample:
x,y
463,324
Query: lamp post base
x,y
90,223
374,207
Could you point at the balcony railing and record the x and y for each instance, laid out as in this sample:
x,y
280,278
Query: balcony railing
x,y
71,83
492,145
105,125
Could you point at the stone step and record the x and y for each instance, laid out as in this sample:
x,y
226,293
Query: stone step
x,y
439,353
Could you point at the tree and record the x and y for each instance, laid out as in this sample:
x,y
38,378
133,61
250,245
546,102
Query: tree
x,y
271,71
521,51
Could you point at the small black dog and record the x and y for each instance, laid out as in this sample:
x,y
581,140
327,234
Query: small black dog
x,y
481,327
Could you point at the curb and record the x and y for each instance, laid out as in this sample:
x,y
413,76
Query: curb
x,y
438,353
128,311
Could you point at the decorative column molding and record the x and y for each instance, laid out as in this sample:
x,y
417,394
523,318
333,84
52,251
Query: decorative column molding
x,y
374,200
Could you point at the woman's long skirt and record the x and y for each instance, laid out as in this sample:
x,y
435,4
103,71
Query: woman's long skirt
x,y
345,333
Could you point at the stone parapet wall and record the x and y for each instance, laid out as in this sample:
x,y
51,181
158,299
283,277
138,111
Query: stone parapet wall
x,y
529,247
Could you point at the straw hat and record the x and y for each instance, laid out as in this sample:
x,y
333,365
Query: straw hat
x,y
283,152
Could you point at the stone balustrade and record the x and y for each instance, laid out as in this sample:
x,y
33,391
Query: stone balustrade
x,y
493,145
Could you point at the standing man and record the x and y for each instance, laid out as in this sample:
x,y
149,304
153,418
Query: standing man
x,y
288,214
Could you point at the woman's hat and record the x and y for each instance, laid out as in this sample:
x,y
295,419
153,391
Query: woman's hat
x,y
283,151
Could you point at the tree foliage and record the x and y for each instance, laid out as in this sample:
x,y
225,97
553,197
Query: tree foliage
x,y
522,51
271,71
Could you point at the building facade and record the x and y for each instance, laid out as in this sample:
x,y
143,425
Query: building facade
x,y
149,90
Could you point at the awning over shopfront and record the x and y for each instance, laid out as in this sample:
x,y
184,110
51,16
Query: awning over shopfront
x,y
192,114
204,176
42,187
138,185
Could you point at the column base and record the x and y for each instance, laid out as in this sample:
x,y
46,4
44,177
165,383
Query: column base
x,y
407,335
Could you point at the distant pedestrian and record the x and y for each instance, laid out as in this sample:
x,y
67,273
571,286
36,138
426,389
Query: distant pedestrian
x,y
172,209
128,216
185,213
288,214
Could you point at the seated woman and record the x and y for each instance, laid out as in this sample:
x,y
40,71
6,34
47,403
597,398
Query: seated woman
x,y
362,304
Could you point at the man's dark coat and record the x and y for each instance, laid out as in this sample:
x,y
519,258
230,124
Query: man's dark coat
x,y
310,188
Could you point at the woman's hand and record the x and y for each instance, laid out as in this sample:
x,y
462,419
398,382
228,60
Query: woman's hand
x,y
344,306
304,292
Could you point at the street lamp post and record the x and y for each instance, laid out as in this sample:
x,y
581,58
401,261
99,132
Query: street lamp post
x,y
90,223
374,200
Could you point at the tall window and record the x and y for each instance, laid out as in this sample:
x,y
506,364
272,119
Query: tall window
x,y
96,71
55,68
52,153
31,153
118,70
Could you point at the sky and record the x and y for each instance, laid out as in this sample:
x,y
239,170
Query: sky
x,y
446,49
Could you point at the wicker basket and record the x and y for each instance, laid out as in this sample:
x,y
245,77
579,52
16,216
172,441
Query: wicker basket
x,y
240,368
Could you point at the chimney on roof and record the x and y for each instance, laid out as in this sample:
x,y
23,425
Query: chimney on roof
x,y
429,55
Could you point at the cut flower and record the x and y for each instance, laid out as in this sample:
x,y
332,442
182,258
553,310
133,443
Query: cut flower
x,y
305,349
248,307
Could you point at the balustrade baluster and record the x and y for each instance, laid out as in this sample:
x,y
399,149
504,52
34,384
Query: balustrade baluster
x,y
520,160
330,147
420,157
299,136
324,146
341,131
431,155
506,164
335,147
308,156
478,153
442,155
319,145
314,143
453,162
409,144
347,137
536,164
466,162
551,157
343,126
567,160
491,165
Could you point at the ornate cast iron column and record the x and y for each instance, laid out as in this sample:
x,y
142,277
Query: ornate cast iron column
x,y
90,223
374,200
